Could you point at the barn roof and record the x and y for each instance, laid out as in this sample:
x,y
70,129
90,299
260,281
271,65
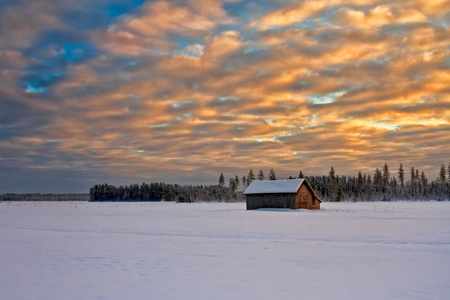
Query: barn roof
x,y
290,186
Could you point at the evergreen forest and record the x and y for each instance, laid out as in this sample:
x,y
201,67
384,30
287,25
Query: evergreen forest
x,y
383,185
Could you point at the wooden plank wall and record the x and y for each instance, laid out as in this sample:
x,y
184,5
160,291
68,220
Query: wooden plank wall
x,y
271,201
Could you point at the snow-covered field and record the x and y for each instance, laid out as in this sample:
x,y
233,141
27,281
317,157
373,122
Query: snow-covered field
x,y
80,250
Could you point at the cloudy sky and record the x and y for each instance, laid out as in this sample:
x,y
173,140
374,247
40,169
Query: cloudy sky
x,y
124,91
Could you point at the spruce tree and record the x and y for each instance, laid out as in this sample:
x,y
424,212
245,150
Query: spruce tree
x,y
236,181
301,176
442,174
418,182
359,185
332,185
386,175
413,182
232,185
386,183
221,180
401,175
448,171
261,175
393,185
250,177
332,174
378,180
272,175
443,182
424,181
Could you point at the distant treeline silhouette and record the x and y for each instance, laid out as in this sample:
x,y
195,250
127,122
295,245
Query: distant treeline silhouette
x,y
382,186
161,192
43,197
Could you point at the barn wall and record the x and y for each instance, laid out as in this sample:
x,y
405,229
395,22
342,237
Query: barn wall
x,y
305,198
256,201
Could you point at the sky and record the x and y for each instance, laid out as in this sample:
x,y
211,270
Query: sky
x,y
180,91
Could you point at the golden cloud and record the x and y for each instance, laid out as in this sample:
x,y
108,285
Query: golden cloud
x,y
379,16
289,15
162,17
370,83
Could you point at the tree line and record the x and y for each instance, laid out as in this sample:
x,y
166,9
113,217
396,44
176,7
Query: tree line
x,y
43,197
383,185
159,191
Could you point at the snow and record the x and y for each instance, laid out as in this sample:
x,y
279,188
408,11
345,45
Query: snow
x,y
273,186
81,250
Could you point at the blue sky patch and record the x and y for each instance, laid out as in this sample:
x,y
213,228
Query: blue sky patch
x,y
54,50
75,52
184,41
38,82
32,88
183,104
124,7
116,10
325,98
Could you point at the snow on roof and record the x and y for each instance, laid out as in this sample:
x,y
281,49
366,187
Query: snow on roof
x,y
274,186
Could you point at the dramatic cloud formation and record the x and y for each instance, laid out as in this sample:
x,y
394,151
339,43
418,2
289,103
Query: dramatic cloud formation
x,y
180,91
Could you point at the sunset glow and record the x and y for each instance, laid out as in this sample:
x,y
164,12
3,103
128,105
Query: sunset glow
x,y
179,91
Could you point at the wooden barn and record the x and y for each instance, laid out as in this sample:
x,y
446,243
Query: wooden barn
x,y
293,193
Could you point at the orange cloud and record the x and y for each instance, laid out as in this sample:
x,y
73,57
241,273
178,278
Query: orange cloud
x,y
219,47
162,17
379,16
288,16
120,42
436,8
365,83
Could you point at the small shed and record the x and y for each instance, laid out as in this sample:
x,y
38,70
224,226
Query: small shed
x,y
292,193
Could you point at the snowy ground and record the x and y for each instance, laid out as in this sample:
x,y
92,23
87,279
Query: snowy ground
x,y
80,250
